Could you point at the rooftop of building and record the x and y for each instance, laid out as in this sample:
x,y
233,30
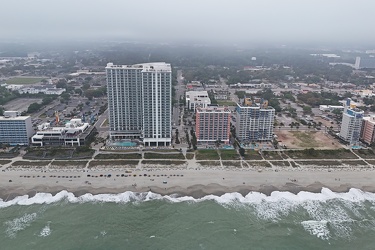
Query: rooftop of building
x,y
196,93
354,109
17,118
13,116
154,66
370,119
254,103
213,109
255,106
73,126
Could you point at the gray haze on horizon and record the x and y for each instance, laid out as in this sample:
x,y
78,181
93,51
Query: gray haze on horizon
x,y
236,21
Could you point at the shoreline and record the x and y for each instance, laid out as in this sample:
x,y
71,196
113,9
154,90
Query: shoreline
x,y
183,182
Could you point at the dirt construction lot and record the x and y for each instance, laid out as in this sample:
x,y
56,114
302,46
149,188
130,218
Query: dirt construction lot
x,y
306,139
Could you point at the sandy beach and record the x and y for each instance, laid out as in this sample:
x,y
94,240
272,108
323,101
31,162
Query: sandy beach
x,y
190,182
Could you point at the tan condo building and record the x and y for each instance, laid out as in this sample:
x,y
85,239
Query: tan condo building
x,y
368,130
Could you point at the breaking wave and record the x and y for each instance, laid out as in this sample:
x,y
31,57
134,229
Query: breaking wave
x,y
353,196
325,215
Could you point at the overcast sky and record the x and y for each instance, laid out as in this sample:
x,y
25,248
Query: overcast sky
x,y
232,21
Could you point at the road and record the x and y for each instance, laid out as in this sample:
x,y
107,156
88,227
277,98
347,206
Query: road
x,y
180,94
100,121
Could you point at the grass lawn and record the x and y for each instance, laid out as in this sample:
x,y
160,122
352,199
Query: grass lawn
x,y
281,163
178,156
259,164
236,164
190,156
365,153
354,163
85,154
24,80
118,156
2,162
320,154
67,164
207,154
30,163
161,150
229,154
209,163
63,163
58,153
319,163
150,162
272,155
252,155
124,163
226,103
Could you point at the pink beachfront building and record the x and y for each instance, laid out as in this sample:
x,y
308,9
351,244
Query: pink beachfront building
x,y
368,130
212,124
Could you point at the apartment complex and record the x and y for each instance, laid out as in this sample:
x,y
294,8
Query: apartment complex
x,y
15,129
195,99
139,102
351,123
212,124
254,120
368,130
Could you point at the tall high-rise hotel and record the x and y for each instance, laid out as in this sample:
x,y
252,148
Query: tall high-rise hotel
x,y
139,102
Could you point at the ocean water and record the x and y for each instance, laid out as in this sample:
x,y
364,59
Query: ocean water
x,y
325,220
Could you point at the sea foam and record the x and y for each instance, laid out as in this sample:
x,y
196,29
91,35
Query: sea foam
x,y
317,228
19,224
46,231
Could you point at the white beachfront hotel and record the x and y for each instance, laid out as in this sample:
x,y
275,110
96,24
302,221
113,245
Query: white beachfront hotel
x,y
139,102
254,120
351,123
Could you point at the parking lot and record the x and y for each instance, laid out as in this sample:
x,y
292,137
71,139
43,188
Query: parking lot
x,y
21,104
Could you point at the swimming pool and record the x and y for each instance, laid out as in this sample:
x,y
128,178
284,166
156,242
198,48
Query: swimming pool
x,y
124,144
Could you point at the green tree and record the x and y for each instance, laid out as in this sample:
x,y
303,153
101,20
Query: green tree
x,y
65,96
240,94
61,84
242,152
33,107
47,100
306,109
85,86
